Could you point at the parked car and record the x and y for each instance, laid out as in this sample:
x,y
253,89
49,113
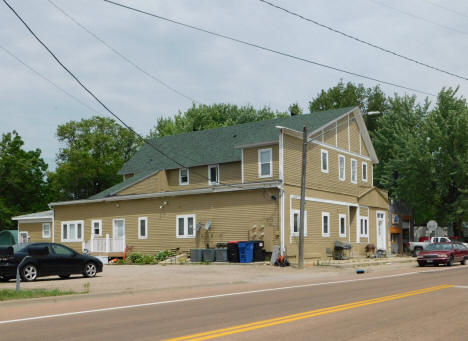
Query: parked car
x,y
416,247
443,253
46,259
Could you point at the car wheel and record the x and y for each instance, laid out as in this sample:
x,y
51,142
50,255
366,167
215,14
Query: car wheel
x,y
29,273
450,261
64,276
416,251
90,270
421,264
463,262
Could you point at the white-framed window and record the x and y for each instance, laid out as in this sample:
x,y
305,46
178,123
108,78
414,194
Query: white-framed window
x,y
295,221
265,163
46,230
342,225
143,228
186,226
364,171
324,160
213,174
72,231
364,227
341,167
325,224
118,228
354,171
96,227
184,176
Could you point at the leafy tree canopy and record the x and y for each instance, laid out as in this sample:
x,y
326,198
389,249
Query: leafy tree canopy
x,y
23,185
93,150
202,117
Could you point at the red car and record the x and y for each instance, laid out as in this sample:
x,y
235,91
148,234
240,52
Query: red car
x,y
443,253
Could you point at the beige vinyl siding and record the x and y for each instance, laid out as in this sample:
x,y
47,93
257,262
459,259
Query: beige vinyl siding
x,y
233,216
153,184
343,133
251,163
364,150
35,232
329,136
354,136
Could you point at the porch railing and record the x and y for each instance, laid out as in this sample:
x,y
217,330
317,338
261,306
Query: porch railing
x,y
104,244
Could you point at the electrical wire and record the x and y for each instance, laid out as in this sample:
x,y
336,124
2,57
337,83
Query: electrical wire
x,y
122,56
285,54
55,85
419,17
447,9
397,54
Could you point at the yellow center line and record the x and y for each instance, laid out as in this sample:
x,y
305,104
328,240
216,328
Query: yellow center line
x,y
299,316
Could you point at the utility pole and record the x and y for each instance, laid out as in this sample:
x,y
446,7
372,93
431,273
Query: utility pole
x,y
303,186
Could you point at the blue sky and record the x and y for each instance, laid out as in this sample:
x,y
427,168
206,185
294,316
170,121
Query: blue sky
x,y
207,68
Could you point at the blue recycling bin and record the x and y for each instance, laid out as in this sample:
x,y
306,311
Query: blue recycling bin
x,y
245,252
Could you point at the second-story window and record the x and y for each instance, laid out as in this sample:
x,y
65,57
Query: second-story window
x,y
324,160
364,172
184,176
354,171
265,164
341,167
213,174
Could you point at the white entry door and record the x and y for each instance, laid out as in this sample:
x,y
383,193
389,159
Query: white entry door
x,y
118,228
23,237
381,232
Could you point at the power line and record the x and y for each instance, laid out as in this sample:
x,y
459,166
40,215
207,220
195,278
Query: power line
x,y
122,56
397,54
419,17
285,54
55,85
447,9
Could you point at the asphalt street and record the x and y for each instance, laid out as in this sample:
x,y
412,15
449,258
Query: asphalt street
x,y
429,304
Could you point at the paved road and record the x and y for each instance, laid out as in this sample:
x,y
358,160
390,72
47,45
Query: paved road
x,y
425,305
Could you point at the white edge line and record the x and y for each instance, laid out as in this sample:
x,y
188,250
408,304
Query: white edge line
x,y
218,296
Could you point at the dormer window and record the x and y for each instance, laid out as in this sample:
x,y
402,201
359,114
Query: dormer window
x,y
213,174
184,176
265,163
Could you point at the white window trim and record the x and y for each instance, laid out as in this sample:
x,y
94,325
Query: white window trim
x,y
343,178
364,235
296,234
260,163
186,216
100,227
323,151
217,172
43,234
145,219
180,177
351,173
69,240
326,214
341,215
366,172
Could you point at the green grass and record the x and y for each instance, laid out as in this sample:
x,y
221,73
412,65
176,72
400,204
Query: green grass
x,y
11,294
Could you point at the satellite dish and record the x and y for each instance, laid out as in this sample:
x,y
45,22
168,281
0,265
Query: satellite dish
x,y
198,227
207,225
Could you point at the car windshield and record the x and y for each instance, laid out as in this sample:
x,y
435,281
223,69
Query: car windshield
x,y
19,247
439,247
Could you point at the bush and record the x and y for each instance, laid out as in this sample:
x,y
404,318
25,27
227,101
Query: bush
x,y
163,255
136,258
148,259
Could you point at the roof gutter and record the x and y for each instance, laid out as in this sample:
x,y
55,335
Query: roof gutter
x,y
216,189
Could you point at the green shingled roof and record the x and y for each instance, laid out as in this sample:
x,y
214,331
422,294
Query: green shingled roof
x,y
212,146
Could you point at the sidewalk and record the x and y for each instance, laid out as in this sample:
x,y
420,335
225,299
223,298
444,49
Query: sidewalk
x,y
359,262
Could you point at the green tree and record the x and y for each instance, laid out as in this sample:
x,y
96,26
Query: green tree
x,y
93,150
23,185
202,117
349,94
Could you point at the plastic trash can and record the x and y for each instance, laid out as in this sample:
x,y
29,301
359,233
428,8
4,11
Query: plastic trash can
x,y
195,255
258,251
245,252
233,252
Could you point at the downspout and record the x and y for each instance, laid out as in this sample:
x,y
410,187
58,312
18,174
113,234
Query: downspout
x,y
281,190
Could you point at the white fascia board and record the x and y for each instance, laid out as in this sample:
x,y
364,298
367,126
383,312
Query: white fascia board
x,y
33,220
207,190
326,201
365,135
257,144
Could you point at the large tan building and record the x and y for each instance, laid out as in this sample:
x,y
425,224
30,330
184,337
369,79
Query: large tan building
x,y
237,183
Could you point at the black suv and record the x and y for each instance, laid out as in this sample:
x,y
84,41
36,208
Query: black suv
x,y
46,259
